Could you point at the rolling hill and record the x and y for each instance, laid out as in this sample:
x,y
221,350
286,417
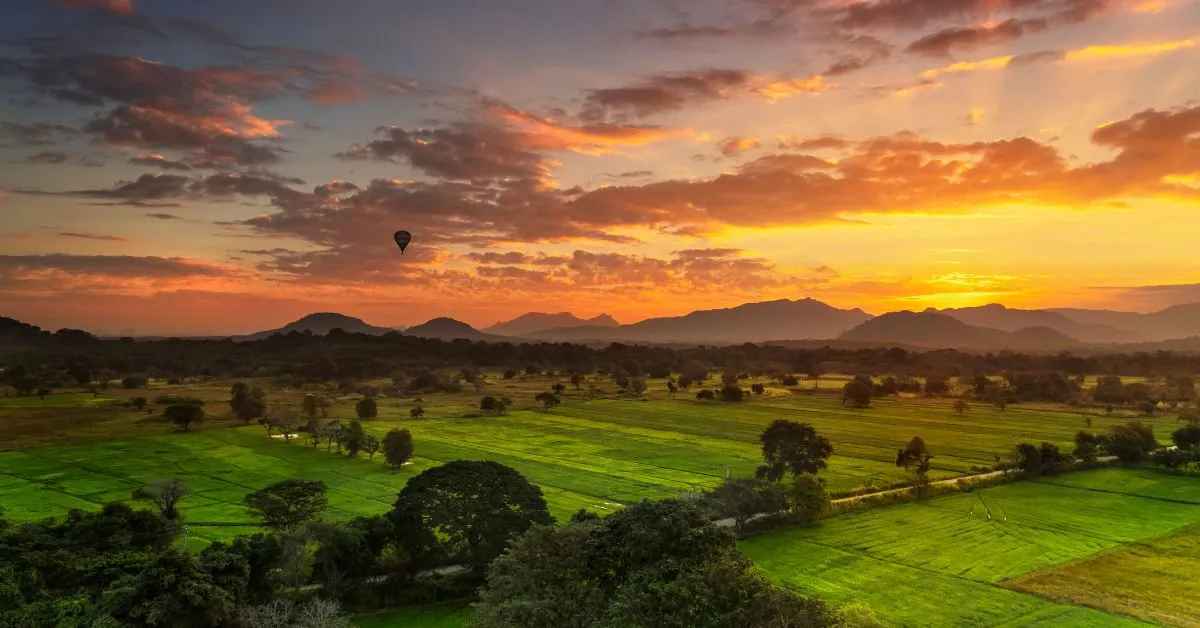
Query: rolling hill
x,y
940,331
997,316
1179,321
534,322
321,323
752,322
450,329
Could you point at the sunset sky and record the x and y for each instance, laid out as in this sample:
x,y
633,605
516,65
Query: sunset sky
x,y
226,166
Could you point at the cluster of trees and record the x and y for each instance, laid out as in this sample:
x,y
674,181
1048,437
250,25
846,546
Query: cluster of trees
x,y
653,563
787,482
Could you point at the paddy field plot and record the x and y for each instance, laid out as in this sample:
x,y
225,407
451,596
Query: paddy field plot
x,y
946,563
1155,580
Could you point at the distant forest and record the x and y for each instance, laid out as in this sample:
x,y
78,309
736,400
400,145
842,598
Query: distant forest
x,y
69,357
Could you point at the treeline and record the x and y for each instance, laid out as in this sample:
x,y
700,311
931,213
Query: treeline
x,y
73,356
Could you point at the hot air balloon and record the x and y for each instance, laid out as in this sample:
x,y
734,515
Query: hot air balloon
x,y
402,239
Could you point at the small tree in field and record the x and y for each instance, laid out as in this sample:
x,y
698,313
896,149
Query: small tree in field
x,y
857,393
915,457
288,504
548,400
961,406
184,415
397,447
42,392
366,408
371,445
577,380
416,412
139,403
354,438
671,388
164,494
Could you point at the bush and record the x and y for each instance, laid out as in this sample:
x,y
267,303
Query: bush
x,y
732,393
706,395
133,381
789,380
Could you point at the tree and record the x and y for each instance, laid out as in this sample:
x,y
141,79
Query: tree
x,y
857,394
808,498
287,505
1087,446
1187,437
397,447
789,380
795,447
174,589
559,388
732,394
416,412
1130,442
576,380
742,498
354,438
467,510
237,394
133,381
961,406
548,400
184,415
488,404
42,392
366,408
1053,459
757,389
252,405
638,384
651,564
916,459
164,494
706,395
139,402
371,445
1028,458
509,374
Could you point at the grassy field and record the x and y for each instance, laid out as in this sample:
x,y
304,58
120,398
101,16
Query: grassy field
x,y
942,562
586,453
1154,580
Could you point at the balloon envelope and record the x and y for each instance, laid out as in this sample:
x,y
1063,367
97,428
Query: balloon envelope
x,y
402,239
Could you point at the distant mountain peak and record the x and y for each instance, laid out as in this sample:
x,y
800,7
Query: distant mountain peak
x,y
321,323
534,322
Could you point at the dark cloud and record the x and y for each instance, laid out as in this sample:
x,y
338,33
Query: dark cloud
x,y
34,134
632,174
161,216
92,236
49,157
16,266
946,41
665,92
465,151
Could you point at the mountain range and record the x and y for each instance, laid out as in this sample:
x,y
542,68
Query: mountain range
x,y
807,322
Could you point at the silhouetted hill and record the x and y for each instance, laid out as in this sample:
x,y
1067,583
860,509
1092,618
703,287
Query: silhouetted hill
x,y
450,329
940,331
321,324
533,322
997,316
1178,321
752,322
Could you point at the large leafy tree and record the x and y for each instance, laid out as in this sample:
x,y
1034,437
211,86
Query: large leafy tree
x,y
651,564
795,447
467,510
1130,442
164,494
288,504
397,447
173,590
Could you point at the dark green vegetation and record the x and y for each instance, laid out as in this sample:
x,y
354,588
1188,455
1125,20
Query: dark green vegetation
x,y
947,561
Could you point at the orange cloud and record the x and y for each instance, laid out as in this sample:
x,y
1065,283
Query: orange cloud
x,y
1089,53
